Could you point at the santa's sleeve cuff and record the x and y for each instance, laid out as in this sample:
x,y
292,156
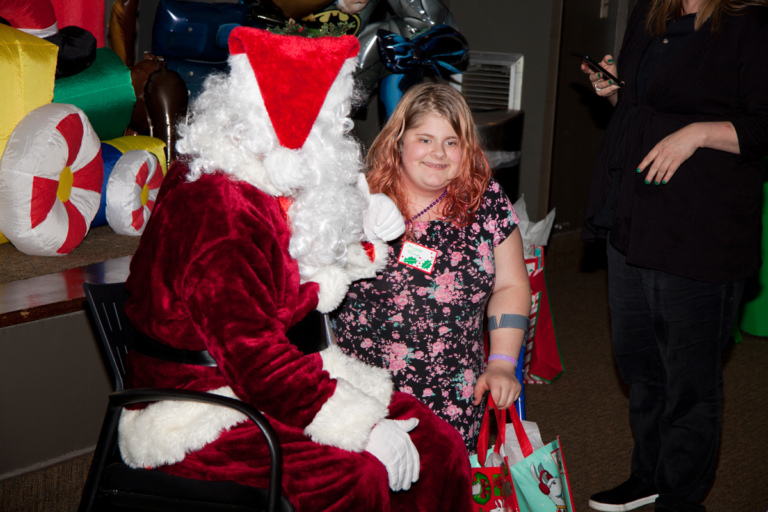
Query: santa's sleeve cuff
x,y
376,382
359,263
345,420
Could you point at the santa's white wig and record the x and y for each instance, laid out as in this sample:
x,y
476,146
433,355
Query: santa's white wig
x,y
230,131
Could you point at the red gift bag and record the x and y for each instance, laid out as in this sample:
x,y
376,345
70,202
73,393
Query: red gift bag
x,y
542,355
492,487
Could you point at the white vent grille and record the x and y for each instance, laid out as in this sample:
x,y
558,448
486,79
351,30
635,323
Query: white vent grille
x,y
492,81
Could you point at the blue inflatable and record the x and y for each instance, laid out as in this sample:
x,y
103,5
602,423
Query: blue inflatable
x,y
194,30
110,154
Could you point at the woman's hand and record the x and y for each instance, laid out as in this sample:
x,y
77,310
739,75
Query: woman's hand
x,y
499,379
674,149
603,86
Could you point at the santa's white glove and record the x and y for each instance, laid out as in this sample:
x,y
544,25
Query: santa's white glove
x,y
390,443
382,219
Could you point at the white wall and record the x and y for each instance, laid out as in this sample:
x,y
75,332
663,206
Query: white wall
x,y
532,28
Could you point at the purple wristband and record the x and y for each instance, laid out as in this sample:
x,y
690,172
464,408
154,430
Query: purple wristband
x,y
503,357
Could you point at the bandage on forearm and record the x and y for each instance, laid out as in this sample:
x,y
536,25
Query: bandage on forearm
x,y
509,322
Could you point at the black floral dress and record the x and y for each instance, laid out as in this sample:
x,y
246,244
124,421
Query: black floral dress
x,y
424,321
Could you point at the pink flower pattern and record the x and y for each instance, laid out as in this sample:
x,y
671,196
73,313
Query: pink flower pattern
x,y
427,329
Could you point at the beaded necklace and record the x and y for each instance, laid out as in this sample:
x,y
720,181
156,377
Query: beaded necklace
x,y
409,222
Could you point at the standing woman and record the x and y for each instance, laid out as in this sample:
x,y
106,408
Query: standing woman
x,y
422,318
677,191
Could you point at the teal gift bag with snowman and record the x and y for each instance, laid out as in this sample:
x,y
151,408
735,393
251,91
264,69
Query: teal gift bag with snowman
x,y
540,479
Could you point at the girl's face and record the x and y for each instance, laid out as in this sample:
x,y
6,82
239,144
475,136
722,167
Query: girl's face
x,y
431,156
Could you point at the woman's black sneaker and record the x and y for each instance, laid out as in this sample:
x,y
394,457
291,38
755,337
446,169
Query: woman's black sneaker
x,y
630,495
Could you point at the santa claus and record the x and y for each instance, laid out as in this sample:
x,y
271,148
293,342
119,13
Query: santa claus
x,y
264,217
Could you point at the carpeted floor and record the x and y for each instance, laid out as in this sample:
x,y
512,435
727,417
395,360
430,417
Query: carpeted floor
x,y
586,407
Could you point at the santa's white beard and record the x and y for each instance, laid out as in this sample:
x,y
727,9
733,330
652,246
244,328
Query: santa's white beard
x,y
231,132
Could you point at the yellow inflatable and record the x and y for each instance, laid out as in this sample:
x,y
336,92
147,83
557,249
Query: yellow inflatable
x,y
27,71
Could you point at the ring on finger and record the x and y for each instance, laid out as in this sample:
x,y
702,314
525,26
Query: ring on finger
x,y
596,87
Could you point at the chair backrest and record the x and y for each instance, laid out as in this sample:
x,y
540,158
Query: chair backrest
x,y
312,333
116,334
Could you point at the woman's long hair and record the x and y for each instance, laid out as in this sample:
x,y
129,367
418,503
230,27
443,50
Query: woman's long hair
x,y
385,174
663,10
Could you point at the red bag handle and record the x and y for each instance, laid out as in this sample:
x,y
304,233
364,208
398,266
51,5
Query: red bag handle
x,y
522,437
501,420
485,431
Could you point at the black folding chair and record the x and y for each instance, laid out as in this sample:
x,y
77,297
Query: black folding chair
x,y
113,485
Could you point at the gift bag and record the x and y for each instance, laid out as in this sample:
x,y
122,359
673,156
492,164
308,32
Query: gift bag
x,y
540,480
492,488
542,358
542,355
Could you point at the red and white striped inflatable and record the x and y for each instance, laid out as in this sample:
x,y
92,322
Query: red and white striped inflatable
x,y
35,17
51,175
131,191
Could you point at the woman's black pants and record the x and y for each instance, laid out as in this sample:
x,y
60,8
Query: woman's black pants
x,y
668,336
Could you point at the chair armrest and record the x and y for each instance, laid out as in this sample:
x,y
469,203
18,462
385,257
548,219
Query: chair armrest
x,y
135,396
120,399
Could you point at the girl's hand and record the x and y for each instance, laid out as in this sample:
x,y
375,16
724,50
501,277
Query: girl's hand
x,y
602,85
499,379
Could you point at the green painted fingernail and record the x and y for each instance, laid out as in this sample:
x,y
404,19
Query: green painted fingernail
x,y
639,170
610,82
647,182
655,182
609,61
599,75
663,182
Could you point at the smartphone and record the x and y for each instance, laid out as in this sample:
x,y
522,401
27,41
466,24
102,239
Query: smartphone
x,y
593,64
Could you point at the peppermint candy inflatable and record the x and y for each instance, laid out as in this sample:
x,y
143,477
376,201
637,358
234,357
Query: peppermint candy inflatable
x,y
131,191
51,175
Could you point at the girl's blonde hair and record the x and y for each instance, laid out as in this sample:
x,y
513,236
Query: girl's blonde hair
x,y
384,160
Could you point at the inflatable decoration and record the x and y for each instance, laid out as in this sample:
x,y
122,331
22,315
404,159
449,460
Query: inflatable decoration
x,y
36,18
112,151
166,101
139,74
407,18
109,155
103,91
27,67
140,142
77,46
195,31
131,192
192,37
87,14
51,176
122,29
438,51
77,50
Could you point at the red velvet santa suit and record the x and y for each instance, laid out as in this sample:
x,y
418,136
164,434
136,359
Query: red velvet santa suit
x,y
213,272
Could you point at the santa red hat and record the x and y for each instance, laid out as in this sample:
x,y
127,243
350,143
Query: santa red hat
x,y
35,17
294,75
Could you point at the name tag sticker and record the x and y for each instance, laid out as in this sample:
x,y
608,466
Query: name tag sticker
x,y
417,256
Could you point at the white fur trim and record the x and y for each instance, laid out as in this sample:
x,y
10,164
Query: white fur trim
x,y
165,432
360,266
334,283
287,169
373,381
44,32
345,420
